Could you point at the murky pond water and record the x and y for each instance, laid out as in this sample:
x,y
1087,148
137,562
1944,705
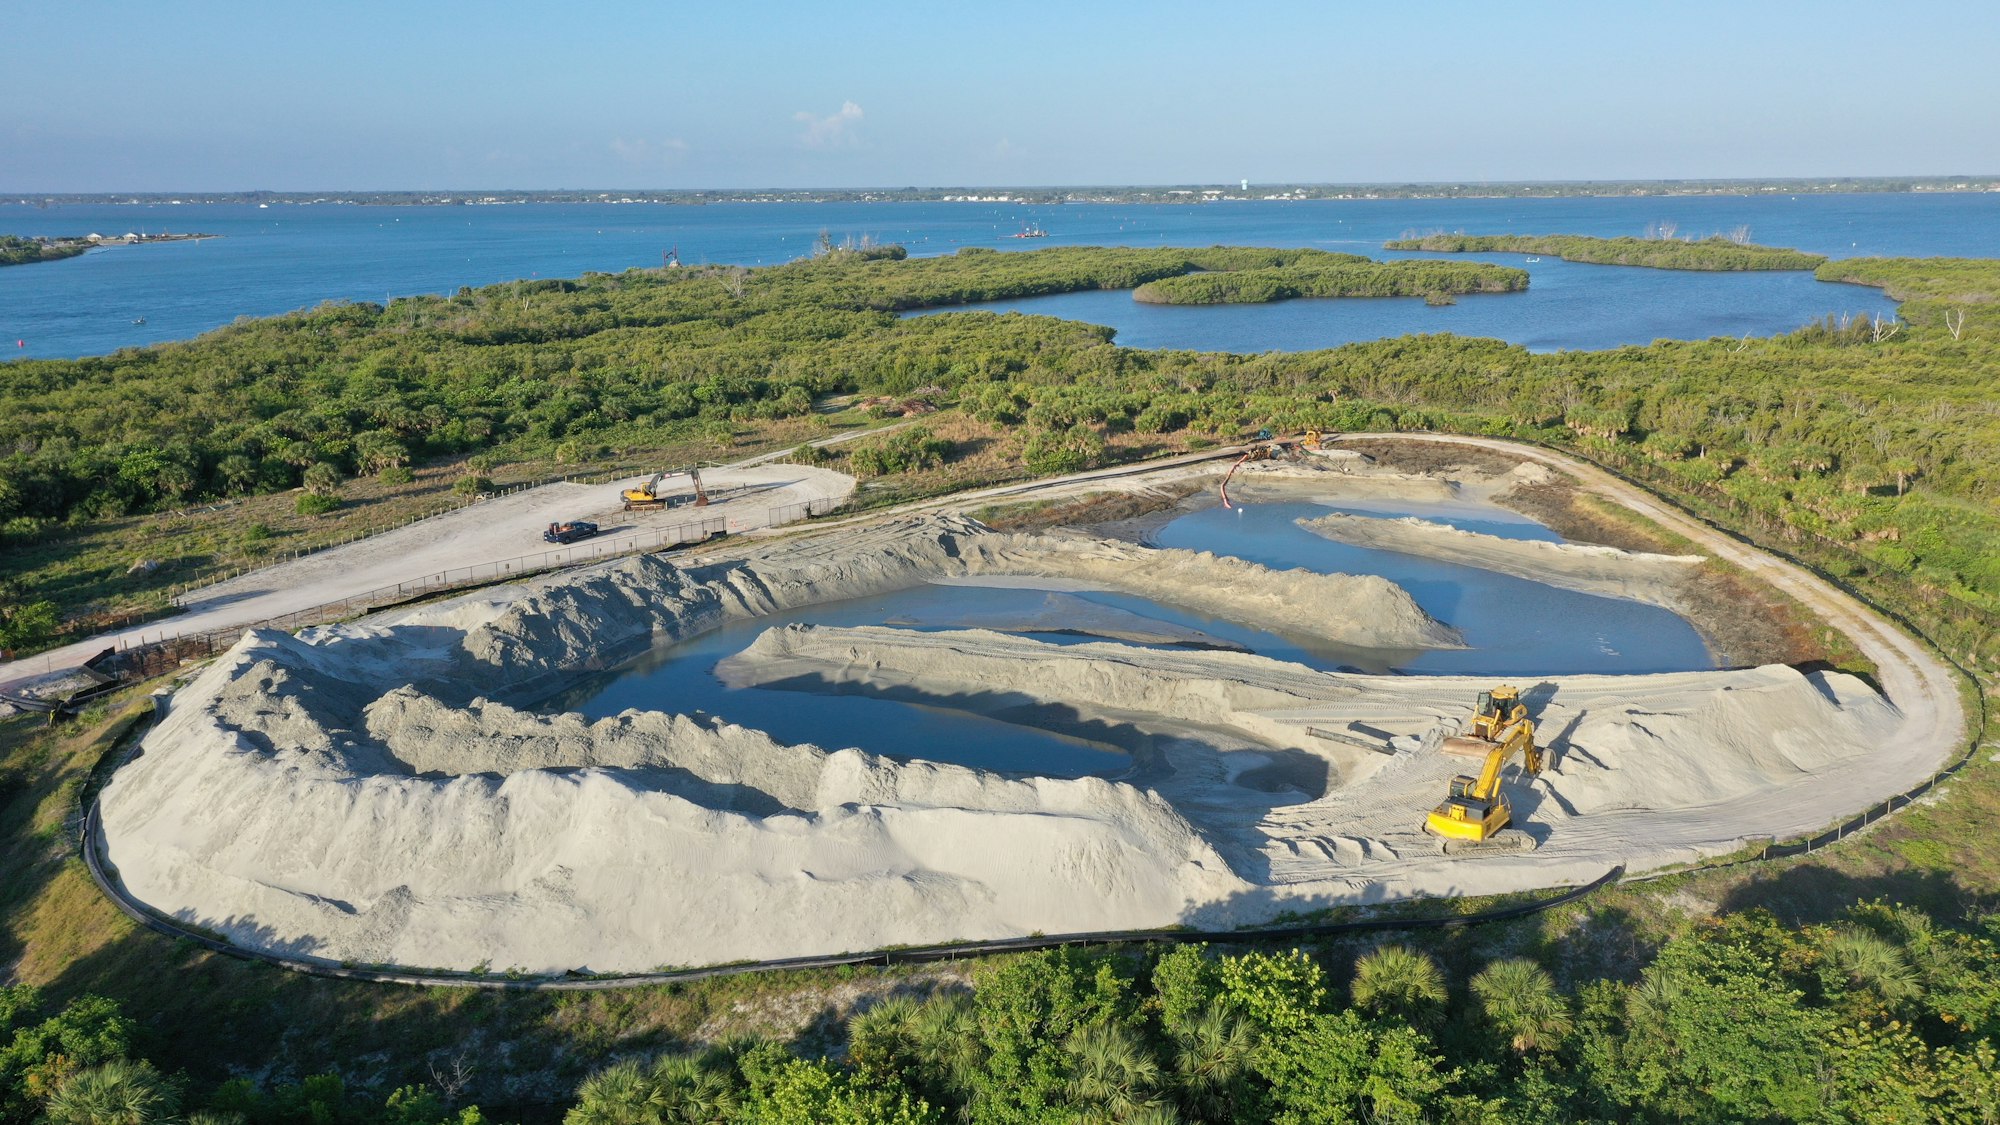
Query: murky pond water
x,y
1514,627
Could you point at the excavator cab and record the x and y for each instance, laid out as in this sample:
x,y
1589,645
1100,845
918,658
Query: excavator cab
x,y
1493,710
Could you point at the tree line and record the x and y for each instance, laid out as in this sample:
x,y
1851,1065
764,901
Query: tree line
x,y
1876,433
16,250
1715,252
1317,277
1884,1015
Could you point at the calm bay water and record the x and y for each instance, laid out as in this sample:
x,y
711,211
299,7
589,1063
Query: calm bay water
x,y
275,259
1566,306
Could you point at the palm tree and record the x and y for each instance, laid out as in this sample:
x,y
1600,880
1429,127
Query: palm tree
x,y
948,1048
1212,1056
692,1089
880,1041
1115,1076
620,1094
1904,468
1398,981
1868,961
120,1092
1521,1001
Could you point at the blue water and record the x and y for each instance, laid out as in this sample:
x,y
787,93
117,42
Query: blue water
x,y
1513,627
287,257
1566,306
682,679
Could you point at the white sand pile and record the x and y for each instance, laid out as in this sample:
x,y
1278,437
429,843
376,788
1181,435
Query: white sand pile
x,y
346,795
1646,770
1604,571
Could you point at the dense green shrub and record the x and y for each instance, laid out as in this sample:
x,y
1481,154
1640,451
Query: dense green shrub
x,y
1713,253
904,451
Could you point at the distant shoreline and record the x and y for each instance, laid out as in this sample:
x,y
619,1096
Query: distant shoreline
x,y
27,251
1129,194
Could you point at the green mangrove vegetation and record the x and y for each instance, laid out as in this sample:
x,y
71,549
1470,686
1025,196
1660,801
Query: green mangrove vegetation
x,y
1882,1015
1332,275
1874,434
1858,984
18,251
1713,253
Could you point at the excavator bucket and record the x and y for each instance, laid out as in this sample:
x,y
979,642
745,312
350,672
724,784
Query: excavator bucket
x,y
1465,746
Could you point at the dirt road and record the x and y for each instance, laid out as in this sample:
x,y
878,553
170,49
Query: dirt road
x,y
1923,687
491,538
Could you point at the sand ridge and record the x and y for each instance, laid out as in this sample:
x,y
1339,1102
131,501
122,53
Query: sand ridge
x,y
1587,568
1647,770
376,792
372,792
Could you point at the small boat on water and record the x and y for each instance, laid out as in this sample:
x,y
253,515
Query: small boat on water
x,y
1534,259
1032,230
139,320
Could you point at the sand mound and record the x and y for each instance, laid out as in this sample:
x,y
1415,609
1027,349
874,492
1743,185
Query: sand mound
x,y
373,793
1644,769
376,792
1604,571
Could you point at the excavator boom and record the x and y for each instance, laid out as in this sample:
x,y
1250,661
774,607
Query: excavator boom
x,y
649,497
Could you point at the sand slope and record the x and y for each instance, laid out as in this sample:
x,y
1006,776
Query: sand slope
x,y
356,792
1645,770
1604,571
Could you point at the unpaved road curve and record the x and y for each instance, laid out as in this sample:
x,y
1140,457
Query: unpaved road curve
x,y
1924,688
748,496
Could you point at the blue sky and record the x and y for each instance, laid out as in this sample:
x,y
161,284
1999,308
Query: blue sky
x,y
106,95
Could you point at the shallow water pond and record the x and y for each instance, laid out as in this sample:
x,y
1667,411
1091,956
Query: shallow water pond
x,y
1514,628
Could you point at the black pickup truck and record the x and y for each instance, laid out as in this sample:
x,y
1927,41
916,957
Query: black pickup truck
x,y
569,532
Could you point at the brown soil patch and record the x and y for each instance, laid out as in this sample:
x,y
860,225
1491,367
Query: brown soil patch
x,y
1744,623
1103,512
1430,458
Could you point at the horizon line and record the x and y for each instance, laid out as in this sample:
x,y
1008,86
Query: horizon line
x,y
1223,185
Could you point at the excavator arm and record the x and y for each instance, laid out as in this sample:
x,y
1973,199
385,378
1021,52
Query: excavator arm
x,y
1475,809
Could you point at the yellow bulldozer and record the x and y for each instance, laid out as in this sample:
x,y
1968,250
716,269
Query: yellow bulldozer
x,y
1475,810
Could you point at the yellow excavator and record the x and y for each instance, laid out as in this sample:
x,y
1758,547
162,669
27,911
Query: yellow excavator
x,y
648,497
1475,811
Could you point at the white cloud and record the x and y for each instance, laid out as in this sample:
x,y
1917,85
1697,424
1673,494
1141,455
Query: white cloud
x,y
836,130
642,150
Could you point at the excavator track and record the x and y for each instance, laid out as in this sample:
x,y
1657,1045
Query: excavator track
x,y
1506,843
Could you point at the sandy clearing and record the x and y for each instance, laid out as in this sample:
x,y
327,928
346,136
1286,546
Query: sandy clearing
x,y
278,803
482,536
1646,770
1923,688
